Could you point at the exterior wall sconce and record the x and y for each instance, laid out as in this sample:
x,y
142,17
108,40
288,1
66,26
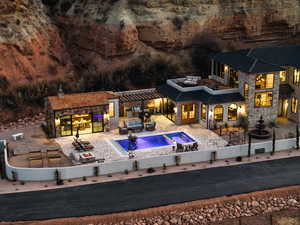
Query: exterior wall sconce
x,y
57,122
175,109
226,68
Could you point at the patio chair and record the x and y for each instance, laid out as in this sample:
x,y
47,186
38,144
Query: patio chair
x,y
36,159
54,158
51,153
179,148
123,130
150,126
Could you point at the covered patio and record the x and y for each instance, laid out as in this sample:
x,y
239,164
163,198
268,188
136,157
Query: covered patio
x,y
134,102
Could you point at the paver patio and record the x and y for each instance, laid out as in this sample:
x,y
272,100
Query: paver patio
x,y
104,149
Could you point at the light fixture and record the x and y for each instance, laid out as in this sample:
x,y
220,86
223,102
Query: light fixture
x,y
175,109
57,122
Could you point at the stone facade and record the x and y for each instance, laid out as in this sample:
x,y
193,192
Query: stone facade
x,y
254,113
289,79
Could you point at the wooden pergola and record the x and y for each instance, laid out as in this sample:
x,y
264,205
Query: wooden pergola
x,y
138,95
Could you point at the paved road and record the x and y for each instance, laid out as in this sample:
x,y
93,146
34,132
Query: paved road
x,y
149,192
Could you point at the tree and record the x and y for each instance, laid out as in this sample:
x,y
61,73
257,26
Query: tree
x,y
273,142
244,124
297,136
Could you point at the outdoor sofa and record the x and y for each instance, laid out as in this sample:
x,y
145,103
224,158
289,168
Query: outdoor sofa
x,y
134,125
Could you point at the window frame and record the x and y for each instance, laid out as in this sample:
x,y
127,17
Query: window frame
x,y
203,115
264,74
263,106
296,71
222,107
236,117
246,96
294,105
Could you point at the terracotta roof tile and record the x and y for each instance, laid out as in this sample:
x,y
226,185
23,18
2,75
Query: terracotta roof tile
x,y
78,100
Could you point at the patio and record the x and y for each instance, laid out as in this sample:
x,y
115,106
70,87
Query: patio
x,y
103,148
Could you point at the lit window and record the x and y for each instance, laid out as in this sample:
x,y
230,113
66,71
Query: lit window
x,y
218,113
263,99
188,111
232,112
203,112
282,76
296,77
294,105
111,109
264,81
246,90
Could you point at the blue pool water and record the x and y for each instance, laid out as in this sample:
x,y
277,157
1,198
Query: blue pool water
x,y
156,141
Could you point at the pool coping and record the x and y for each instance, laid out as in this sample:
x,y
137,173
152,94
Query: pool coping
x,y
122,152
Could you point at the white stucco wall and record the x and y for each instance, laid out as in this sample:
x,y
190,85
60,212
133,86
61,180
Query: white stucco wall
x,y
42,174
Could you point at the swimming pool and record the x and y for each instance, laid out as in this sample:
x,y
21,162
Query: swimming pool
x,y
155,141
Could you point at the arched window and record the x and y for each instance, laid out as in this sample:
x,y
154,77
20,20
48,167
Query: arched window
x,y
232,112
218,113
246,90
294,105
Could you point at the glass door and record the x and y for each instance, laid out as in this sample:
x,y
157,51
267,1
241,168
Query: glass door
x,y
188,113
283,107
82,123
98,123
65,126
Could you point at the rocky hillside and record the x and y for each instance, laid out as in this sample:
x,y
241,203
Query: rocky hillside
x,y
71,41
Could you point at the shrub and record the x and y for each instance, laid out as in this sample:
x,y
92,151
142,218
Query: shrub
x,y
164,167
178,22
52,70
126,171
177,160
150,170
291,135
57,175
14,175
65,6
135,165
50,2
272,124
239,159
96,171
84,178
3,82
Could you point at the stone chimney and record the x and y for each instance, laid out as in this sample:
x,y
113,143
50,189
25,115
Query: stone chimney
x,y
60,92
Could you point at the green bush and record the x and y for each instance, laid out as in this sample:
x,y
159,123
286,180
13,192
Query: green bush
x,y
178,22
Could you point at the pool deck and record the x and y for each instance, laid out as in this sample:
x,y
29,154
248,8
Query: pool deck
x,y
105,148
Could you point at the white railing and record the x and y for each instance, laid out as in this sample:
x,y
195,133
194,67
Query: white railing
x,y
41,174
173,83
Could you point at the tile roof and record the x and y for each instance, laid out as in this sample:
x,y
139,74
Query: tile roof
x,y
261,60
200,95
78,100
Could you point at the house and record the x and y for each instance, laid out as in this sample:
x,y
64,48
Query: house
x,y
248,82
67,114
268,78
